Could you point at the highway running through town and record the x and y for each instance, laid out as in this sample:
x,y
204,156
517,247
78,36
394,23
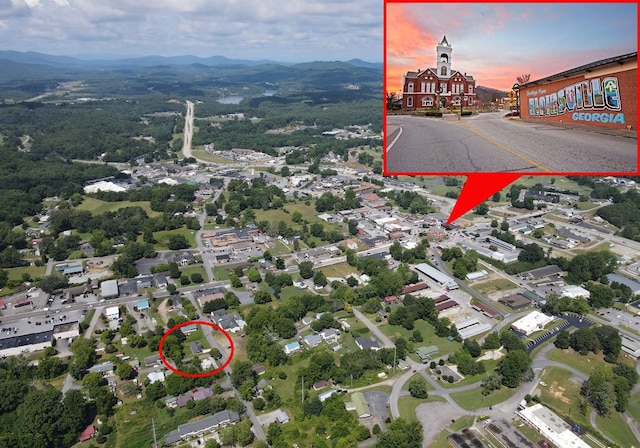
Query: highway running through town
x,y
490,143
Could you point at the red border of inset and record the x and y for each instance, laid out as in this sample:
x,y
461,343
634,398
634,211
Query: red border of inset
x,y
195,375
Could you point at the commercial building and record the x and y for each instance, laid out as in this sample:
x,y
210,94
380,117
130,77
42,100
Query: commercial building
x,y
551,426
599,94
16,344
432,88
109,288
574,292
434,274
533,321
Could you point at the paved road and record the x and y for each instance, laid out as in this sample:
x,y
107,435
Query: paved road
x,y
188,131
489,143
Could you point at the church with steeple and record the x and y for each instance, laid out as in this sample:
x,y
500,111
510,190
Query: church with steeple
x,y
439,87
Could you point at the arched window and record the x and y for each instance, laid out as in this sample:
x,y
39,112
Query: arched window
x,y
410,87
443,71
410,102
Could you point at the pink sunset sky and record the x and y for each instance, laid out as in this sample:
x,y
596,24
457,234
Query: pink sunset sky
x,y
496,42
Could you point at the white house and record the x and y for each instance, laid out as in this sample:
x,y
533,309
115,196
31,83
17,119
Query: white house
x,y
112,313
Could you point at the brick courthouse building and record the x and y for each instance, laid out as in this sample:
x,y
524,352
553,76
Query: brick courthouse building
x,y
603,94
438,87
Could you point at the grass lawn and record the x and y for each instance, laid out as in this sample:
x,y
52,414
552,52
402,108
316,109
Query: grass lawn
x,y
339,270
615,428
491,286
200,153
584,364
188,271
561,394
599,247
490,366
429,338
97,207
473,399
634,406
33,271
417,375
279,249
163,237
407,405
286,388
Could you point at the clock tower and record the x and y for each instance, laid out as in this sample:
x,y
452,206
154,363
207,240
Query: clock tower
x,y
444,58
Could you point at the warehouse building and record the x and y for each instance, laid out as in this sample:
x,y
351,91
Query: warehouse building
x,y
600,94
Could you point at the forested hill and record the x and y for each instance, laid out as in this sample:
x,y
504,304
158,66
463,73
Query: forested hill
x,y
489,94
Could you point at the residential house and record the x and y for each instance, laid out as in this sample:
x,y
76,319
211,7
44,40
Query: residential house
x,y
330,335
367,343
292,347
313,340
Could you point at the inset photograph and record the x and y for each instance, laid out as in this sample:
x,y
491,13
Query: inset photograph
x,y
521,87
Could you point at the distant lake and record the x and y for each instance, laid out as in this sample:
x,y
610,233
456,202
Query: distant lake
x,y
270,92
232,99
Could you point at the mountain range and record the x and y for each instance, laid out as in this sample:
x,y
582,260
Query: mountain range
x,y
113,62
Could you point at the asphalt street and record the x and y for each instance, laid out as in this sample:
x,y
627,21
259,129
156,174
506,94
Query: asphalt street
x,y
490,143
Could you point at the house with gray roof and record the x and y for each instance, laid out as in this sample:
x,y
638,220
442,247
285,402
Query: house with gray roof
x,y
200,427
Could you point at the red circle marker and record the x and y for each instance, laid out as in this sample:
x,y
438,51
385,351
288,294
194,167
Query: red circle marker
x,y
195,375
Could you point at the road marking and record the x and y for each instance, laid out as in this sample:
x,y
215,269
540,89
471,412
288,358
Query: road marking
x,y
395,139
511,151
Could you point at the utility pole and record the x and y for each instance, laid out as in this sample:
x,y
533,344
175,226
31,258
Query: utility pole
x,y
155,440
302,390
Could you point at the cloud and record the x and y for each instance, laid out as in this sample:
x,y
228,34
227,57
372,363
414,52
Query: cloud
x,y
295,30
14,8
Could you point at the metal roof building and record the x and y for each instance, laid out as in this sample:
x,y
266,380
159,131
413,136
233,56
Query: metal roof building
x,y
109,288
436,275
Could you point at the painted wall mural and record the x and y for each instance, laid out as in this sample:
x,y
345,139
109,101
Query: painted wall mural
x,y
599,95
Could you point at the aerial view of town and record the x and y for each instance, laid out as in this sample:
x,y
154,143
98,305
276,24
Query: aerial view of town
x,y
204,252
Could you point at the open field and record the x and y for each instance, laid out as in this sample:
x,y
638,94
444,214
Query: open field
x,y
473,399
339,270
429,338
164,235
491,286
584,364
97,207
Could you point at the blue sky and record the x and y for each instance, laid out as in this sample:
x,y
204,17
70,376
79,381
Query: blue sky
x,y
495,42
291,30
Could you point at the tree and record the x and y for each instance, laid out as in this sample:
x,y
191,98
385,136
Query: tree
x,y
492,341
254,276
482,209
401,434
196,277
177,242
306,269
418,388
261,296
524,78
319,279
599,390
125,371
513,366
562,340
